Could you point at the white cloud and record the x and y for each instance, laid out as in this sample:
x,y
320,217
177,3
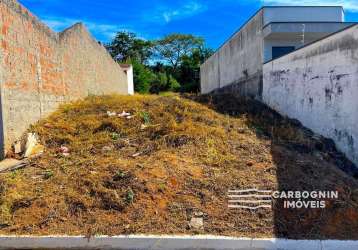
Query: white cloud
x,y
349,5
186,10
169,13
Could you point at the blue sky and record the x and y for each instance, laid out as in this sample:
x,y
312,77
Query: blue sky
x,y
215,20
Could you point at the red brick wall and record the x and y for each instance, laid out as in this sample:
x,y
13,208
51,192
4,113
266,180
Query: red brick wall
x,y
40,69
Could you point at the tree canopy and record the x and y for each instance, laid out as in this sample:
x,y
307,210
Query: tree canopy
x,y
172,48
168,64
127,47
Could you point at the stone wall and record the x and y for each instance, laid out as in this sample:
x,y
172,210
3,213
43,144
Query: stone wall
x,y
39,69
318,85
237,65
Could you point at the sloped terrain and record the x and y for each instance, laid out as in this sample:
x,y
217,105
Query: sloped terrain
x,y
175,159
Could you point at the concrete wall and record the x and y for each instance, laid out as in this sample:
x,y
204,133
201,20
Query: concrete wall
x,y
303,14
41,69
237,65
318,85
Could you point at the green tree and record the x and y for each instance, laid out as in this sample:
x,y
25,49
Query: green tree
x,y
143,77
189,70
159,83
174,47
177,56
127,47
164,82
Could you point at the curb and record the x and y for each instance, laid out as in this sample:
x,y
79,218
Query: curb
x,y
142,242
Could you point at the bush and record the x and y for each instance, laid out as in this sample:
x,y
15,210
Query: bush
x,y
174,85
160,83
190,88
164,82
143,77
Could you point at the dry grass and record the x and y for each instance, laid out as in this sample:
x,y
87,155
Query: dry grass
x,y
120,178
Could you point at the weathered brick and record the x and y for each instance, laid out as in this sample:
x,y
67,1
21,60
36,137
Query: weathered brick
x,y
39,66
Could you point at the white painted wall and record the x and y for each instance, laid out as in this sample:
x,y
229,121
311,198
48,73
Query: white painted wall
x,y
303,14
128,69
130,81
318,85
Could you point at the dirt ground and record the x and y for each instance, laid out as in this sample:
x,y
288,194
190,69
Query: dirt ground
x,y
175,159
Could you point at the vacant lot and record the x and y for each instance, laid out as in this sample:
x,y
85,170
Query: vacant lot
x,y
172,159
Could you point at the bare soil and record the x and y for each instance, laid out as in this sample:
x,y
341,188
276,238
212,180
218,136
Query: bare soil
x,y
178,156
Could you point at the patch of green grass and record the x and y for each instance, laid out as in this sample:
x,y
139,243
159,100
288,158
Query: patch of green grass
x,y
48,174
162,187
119,175
130,196
115,136
14,174
146,117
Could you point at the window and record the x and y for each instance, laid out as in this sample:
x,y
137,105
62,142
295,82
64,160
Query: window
x,y
281,51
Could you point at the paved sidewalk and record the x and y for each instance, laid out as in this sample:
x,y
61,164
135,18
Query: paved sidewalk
x,y
140,242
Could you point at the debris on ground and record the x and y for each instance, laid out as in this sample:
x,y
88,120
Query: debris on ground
x,y
124,114
173,177
9,165
65,151
107,148
137,154
110,113
18,147
33,148
196,223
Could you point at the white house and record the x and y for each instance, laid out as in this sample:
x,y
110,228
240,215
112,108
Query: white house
x,y
288,28
272,32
